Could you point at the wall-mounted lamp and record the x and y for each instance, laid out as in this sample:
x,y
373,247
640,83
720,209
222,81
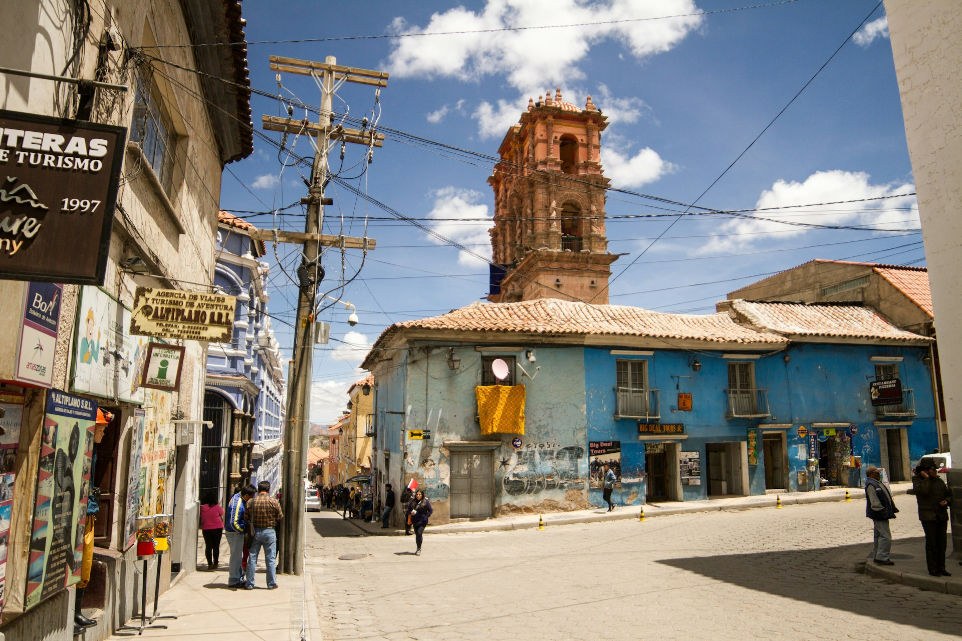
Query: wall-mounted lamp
x,y
694,364
529,354
454,362
135,265
350,405
366,389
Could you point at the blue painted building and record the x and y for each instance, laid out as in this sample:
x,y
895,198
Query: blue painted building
x,y
245,390
759,397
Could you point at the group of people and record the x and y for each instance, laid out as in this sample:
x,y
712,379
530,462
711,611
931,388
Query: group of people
x,y
250,524
932,495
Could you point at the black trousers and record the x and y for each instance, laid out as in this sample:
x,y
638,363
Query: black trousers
x,y
607,495
419,534
935,541
212,545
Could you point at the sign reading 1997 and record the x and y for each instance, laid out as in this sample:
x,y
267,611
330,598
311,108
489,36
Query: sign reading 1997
x,y
58,188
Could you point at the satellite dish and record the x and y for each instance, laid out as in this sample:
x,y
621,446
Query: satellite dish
x,y
500,369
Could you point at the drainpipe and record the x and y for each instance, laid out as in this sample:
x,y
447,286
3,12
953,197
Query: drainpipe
x,y
935,396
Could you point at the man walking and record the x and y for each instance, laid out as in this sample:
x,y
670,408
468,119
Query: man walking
x,y
388,505
235,527
609,485
880,507
264,512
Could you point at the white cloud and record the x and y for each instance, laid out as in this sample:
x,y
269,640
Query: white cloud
x,y
900,212
328,400
266,181
876,29
437,116
353,349
535,57
493,121
460,204
644,167
619,109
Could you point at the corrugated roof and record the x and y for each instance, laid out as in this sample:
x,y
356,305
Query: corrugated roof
x,y
911,281
831,320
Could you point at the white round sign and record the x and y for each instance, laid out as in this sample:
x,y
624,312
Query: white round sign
x,y
500,369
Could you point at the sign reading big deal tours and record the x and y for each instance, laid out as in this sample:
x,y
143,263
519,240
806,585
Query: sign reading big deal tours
x,y
174,314
58,187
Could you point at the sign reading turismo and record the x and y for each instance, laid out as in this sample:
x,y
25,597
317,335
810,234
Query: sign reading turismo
x,y
58,187
193,316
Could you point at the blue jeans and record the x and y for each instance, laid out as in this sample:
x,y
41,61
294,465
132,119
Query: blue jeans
x,y
264,537
236,542
385,515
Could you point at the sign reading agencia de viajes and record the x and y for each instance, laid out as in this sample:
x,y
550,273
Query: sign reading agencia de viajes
x,y
58,187
175,314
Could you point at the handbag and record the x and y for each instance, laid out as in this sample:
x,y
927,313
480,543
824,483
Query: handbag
x,y
409,519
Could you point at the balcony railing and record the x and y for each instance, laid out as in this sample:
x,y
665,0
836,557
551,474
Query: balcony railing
x,y
747,403
637,403
903,409
571,243
370,425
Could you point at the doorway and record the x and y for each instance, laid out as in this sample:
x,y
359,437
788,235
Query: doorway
x,y
472,480
656,471
894,446
776,461
727,469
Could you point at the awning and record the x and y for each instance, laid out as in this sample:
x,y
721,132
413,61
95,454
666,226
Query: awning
x,y
360,478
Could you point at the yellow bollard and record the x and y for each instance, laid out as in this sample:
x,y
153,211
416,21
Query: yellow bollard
x,y
848,498
778,501
540,522
641,515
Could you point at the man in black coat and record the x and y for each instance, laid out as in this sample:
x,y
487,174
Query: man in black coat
x,y
388,505
933,497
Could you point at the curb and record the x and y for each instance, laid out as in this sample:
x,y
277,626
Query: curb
x,y
559,518
928,583
312,626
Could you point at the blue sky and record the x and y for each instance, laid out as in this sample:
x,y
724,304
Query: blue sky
x,y
684,96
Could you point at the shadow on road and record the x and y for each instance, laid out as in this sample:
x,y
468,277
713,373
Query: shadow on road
x,y
819,577
330,524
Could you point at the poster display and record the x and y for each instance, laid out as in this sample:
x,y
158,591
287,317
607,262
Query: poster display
x,y
599,454
12,404
133,476
107,360
157,459
753,447
38,334
60,511
689,464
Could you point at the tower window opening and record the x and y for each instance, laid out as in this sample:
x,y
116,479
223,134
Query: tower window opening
x,y
569,153
571,227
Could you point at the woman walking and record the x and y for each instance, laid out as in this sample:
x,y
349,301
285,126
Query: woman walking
x,y
420,514
212,524
933,497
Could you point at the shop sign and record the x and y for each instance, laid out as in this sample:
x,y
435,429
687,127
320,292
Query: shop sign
x,y
133,476
60,511
887,392
57,196
163,366
684,402
601,453
175,314
828,431
107,361
38,334
661,428
12,406
689,465
813,445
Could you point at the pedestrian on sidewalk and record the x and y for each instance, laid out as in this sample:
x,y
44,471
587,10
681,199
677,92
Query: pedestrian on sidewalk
x,y
880,507
420,514
264,513
388,505
407,500
212,523
236,529
609,484
933,498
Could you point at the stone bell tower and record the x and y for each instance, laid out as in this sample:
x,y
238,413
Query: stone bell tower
x,y
549,206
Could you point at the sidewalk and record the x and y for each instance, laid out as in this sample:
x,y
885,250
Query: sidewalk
x,y
910,568
207,608
523,521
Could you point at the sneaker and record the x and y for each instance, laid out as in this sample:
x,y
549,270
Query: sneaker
x,y
880,562
272,587
248,586
418,553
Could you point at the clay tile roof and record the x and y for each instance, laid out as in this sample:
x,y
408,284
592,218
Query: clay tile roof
x,y
567,106
367,380
231,220
316,454
911,281
837,320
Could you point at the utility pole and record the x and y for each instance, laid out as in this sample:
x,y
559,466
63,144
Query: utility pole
x,y
310,273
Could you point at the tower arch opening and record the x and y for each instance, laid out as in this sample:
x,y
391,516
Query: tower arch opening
x,y
568,150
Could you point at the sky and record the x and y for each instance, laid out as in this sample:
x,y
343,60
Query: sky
x,y
687,85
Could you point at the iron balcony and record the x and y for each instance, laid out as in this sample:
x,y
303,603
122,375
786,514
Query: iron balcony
x,y
747,403
637,403
902,410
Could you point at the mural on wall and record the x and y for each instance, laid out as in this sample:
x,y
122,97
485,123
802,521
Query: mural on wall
x,y
60,512
601,453
538,467
133,476
157,459
12,405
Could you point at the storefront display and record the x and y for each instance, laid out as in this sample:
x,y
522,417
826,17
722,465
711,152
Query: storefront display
x,y
12,406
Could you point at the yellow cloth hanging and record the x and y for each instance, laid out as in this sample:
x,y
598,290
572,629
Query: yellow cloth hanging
x,y
501,409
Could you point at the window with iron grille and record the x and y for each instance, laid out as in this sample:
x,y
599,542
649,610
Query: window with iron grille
x,y
488,377
632,391
153,129
886,371
742,394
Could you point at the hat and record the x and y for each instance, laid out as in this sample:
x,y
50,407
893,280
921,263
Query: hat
x,y
103,417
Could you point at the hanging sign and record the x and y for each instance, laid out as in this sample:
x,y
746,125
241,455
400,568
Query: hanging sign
x,y
887,392
38,334
58,188
162,367
175,314
60,511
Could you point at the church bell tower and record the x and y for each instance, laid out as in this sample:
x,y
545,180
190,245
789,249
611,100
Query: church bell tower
x,y
549,206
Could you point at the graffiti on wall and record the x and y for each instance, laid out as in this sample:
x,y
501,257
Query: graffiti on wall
x,y
539,467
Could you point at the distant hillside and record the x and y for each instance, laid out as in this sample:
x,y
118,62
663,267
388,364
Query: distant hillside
x,y
318,430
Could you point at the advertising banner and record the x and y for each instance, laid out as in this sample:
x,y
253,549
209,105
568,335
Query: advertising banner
x,y
107,361
174,314
58,189
601,453
60,511
689,465
38,334
12,405
157,458
133,477
163,365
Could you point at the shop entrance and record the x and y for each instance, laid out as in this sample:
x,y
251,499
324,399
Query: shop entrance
x,y
727,469
776,461
656,470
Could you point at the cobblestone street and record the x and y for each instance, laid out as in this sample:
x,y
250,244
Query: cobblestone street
x,y
752,574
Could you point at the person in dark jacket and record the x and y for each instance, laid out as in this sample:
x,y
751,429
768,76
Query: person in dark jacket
x,y
420,514
880,507
388,505
406,497
933,498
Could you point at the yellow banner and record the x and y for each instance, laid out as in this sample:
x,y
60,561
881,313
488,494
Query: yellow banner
x,y
501,408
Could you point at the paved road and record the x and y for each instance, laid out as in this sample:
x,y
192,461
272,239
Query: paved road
x,y
752,574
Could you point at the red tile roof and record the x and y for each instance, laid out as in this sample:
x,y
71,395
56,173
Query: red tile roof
x,y
367,380
911,281
231,220
830,320
316,454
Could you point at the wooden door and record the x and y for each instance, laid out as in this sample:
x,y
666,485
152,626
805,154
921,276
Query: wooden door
x,y
472,480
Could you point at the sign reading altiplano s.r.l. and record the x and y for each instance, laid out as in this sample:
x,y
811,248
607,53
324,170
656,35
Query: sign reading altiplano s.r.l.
x,y
176,314
58,188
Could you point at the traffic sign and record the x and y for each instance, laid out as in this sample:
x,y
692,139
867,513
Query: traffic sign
x,y
416,435
516,442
